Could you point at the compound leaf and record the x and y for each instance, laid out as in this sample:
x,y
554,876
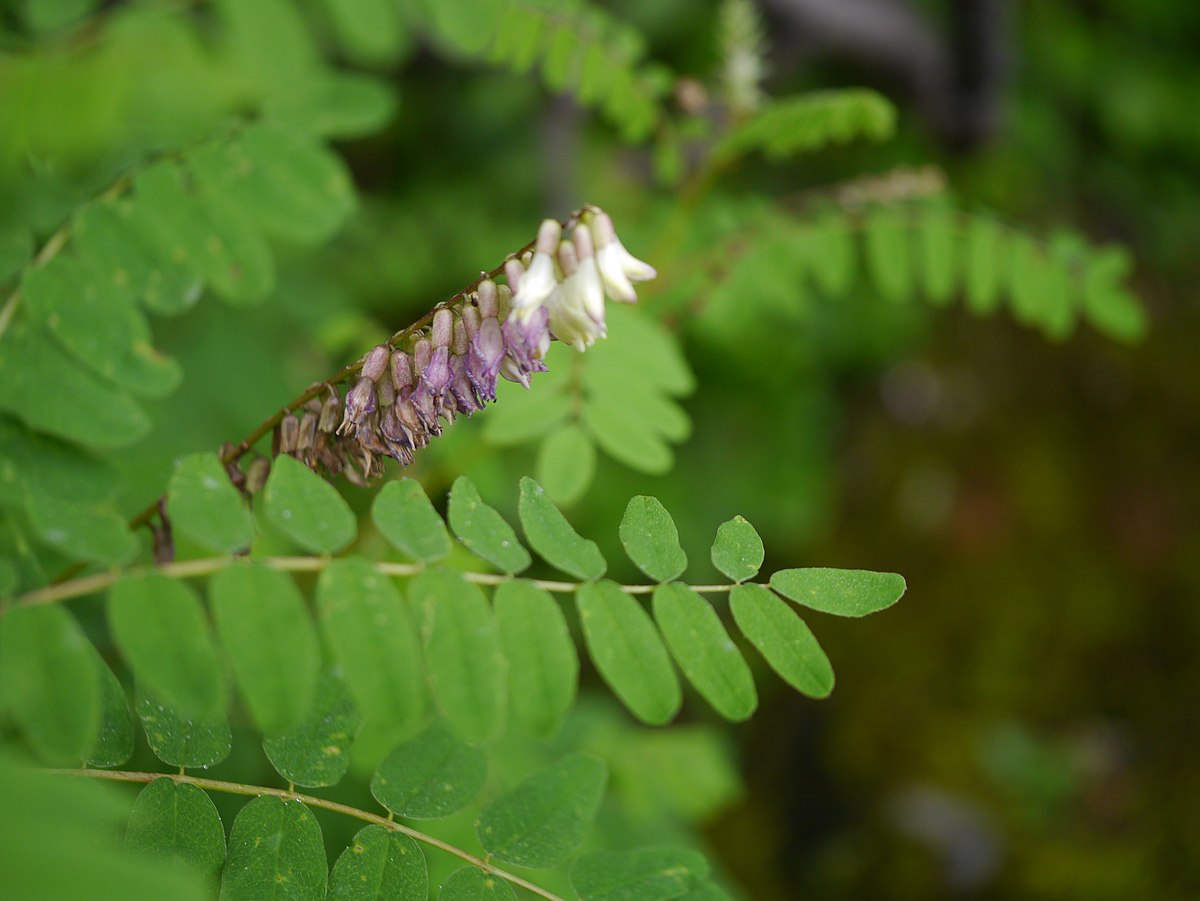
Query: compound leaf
x,y
403,514
737,551
316,751
783,638
430,776
177,740
307,508
276,853
179,821
651,540
380,865
842,592
552,536
483,530
204,505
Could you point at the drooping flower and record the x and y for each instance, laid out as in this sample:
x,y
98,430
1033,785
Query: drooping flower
x,y
539,280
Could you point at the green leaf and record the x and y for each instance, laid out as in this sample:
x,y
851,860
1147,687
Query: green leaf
x,y
473,884
1107,304
16,247
307,508
177,740
264,625
406,518
462,652
552,537
628,652
704,651
316,752
544,819
204,505
521,415
483,530
178,821
645,874
430,776
706,891
828,248
372,636
783,638
36,465
566,464
369,30
50,681
937,252
651,540
114,741
842,592
737,551
276,853
625,438
888,255
159,625
637,339
380,865
81,533
543,666
983,264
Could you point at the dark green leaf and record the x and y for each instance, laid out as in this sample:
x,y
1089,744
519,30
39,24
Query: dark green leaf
x,y
81,533
204,505
462,652
178,821
36,465
406,518
307,508
644,874
843,592
472,884
543,667
430,776
371,634
651,540
783,638
50,681
380,865
114,741
276,853
201,741
566,463
552,537
265,627
704,651
483,530
628,652
159,625
546,817
316,752
737,551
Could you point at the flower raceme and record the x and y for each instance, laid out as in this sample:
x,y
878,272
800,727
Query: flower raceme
x,y
406,392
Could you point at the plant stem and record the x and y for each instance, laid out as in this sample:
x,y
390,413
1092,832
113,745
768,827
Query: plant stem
x,y
190,569
237,788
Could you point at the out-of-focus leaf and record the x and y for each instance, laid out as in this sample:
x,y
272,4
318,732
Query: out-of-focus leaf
x,y
369,30
404,515
36,465
566,463
380,865
316,752
644,874
842,592
205,506
888,254
307,508
737,551
178,821
552,536
294,867
483,530
521,416
177,740
651,540
938,253
783,638
985,253
16,247
430,776
114,740
81,533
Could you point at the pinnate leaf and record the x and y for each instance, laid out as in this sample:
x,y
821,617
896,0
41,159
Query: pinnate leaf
x,y
473,884
644,874
430,776
205,506
651,540
380,865
483,530
307,508
842,592
566,463
406,518
783,638
316,751
293,867
552,536
546,817
178,740
628,652
179,821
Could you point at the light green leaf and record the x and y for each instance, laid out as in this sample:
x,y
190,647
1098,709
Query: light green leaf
x,y
462,652
264,625
552,536
842,592
888,254
706,891
16,247
984,263
159,625
938,253
177,740
783,638
566,464
372,636
704,651
625,438
483,530
406,518
1106,302
369,30
737,551
546,817
178,821
380,865
473,884
645,874
628,652
276,853
651,540
316,752
50,681
520,415
114,741
344,105
430,776
828,248
638,340
204,505
37,465
81,533
307,508
543,666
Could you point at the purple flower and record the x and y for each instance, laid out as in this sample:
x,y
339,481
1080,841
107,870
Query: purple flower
x,y
360,403
483,358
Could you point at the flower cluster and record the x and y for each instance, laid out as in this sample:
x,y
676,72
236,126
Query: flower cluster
x,y
408,390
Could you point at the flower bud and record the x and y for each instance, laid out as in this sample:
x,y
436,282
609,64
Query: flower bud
x,y
331,412
360,403
443,327
375,363
256,474
289,433
402,371
488,301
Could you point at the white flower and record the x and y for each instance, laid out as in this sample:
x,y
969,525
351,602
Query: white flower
x,y
618,267
539,280
590,285
570,320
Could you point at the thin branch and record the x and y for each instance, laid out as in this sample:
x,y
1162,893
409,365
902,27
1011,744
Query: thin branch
x,y
236,788
191,569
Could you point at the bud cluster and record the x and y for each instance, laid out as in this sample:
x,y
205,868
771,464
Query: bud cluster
x,y
406,393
